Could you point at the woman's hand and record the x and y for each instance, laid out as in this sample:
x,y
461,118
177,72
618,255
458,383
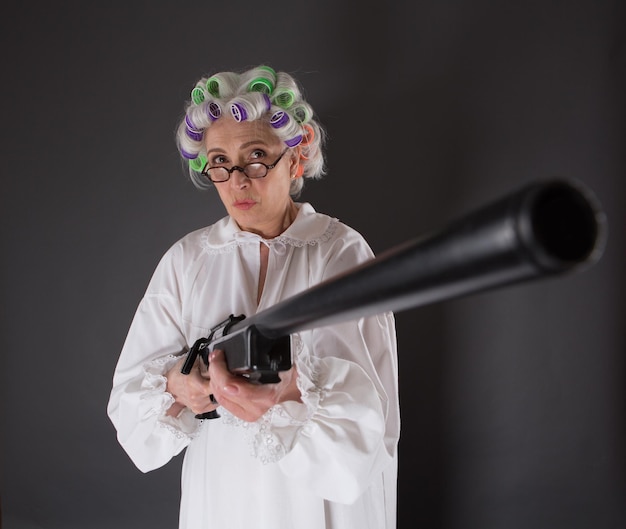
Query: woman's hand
x,y
191,391
244,399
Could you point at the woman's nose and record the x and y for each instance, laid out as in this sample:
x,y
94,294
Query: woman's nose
x,y
238,178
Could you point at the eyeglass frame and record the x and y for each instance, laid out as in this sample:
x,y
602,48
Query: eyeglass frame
x,y
207,168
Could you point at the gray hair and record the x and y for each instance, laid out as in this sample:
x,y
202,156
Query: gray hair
x,y
256,94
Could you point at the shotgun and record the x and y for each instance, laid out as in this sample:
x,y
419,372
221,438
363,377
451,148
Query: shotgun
x,y
543,229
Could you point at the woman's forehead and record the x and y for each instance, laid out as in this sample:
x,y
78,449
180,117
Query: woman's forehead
x,y
228,133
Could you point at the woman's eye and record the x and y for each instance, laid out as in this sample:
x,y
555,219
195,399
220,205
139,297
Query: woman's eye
x,y
218,160
257,154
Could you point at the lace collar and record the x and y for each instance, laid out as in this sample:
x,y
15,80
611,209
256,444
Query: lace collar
x,y
309,227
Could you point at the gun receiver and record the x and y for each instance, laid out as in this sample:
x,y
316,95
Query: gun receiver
x,y
543,229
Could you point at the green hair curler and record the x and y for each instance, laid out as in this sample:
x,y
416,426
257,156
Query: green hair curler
x,y
198,163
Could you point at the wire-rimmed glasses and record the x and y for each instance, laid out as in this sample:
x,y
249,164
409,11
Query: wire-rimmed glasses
x,y
251,170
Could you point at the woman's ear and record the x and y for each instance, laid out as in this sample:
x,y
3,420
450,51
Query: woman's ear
x,y
296,167
307,139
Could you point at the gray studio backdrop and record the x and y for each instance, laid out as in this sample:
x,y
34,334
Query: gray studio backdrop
x,y
512,401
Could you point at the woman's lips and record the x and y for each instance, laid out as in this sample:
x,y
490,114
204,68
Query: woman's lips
x,y
244,204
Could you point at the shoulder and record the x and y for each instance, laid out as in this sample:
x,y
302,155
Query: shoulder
x,y
203,240
192,247
183,260
314,228
333,245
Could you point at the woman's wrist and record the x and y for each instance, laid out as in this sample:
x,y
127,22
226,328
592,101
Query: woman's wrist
x,y
175,409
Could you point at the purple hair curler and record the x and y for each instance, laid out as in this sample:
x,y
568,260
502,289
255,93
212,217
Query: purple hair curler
x,y
279,119
239,112
197,136
188,155
296,140
190,126
213,110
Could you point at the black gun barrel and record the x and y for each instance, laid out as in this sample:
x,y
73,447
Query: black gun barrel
x,y
545,228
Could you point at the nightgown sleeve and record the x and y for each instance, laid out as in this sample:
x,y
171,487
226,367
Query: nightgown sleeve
x,y
139,400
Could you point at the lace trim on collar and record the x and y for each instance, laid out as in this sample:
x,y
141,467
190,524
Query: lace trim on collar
x,y
299,243
280,243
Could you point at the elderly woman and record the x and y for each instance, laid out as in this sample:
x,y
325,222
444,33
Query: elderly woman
x,y
317,449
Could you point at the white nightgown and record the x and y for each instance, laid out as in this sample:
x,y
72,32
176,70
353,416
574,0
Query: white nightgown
x,y
327,462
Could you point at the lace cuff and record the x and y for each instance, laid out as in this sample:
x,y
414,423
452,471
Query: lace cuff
x,y
155,399
274,434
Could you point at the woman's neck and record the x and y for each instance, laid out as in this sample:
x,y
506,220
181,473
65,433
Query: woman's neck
x,y
276,228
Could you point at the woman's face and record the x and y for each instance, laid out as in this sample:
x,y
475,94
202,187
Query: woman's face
x,y
260,205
